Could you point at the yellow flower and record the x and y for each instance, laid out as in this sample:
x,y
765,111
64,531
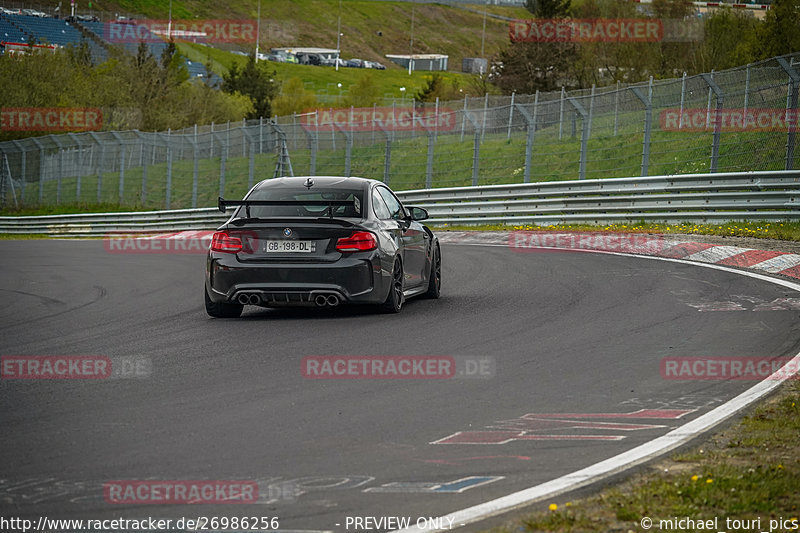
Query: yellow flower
x,y
709,480
694,477
553,507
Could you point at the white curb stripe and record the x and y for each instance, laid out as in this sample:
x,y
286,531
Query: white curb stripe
x,y
716,254
778,263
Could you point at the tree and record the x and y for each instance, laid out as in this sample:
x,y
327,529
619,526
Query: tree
x,y
294,98
364,93
80,54
780,32
255,81
548,8
438,87
671,59
528,67
727,40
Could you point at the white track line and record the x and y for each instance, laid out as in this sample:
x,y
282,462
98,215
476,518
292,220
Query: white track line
x,y
638,455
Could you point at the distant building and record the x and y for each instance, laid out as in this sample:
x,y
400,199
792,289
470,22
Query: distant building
x,y
474,65
420,61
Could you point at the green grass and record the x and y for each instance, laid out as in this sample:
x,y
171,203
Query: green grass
x,y
323,81
746,472
784,231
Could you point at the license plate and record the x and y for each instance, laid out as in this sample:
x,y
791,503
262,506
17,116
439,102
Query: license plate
x,y
289,246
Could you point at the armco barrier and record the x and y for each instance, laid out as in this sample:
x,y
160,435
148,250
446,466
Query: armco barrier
x,y
719,197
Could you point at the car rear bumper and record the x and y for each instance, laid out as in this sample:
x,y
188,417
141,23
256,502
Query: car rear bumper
x,y
354,279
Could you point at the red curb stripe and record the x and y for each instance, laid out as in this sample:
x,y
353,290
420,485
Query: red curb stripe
x,y
685,249
793,272
750,258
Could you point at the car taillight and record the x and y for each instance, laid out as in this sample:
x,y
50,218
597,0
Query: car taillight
x,y
360,241
222,242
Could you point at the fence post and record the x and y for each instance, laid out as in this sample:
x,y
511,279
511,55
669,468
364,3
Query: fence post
x,y
591,111
23,155
791,111
60,167
261,134
531,123
41,173
476,153
78,166
476,147
144,173
436,117
746,90
485,113
616,108
333,131
251,165
429,167
683,100
168,195
561,114
60,173
23,174
510,115
708,106
100,170
121,171
574,123
387,159
374,107
584,136
348,136
464,118
195,172
223,156
313,142
712,86
648,121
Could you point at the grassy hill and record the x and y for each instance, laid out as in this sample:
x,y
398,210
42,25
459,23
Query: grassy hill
x,y
371,28
323,81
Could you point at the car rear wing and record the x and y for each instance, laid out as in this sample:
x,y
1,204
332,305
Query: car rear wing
x,y
223,204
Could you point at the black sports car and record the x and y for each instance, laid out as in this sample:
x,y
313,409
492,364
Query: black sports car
x,y
320,241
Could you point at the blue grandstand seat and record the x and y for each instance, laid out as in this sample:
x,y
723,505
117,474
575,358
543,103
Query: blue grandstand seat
x,y
55,31
51,31
10,33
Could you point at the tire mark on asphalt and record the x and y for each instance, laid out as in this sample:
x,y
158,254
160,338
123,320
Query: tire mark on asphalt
x,y
100,293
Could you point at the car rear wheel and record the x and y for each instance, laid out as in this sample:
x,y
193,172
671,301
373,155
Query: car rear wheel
x,y
394,300
222,310
435,281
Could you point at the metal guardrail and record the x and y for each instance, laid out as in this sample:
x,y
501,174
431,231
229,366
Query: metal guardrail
x,y
719,197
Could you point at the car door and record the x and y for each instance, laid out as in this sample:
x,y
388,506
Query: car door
x,y
413,238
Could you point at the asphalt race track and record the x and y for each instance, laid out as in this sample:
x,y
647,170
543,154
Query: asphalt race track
x,y
567,333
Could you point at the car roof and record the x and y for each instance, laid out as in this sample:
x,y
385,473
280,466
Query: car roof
x,y
329,182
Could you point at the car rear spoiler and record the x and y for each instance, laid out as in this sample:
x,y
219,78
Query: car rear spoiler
x,y
223,204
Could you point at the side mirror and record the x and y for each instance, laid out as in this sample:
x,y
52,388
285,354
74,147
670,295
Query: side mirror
x,y
417,213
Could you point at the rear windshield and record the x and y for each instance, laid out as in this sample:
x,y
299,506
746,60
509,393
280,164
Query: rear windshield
x,y
317,194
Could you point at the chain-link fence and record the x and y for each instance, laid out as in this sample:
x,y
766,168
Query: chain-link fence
x,y
734,120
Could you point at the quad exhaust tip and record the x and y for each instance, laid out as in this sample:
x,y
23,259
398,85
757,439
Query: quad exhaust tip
x,y
320,300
